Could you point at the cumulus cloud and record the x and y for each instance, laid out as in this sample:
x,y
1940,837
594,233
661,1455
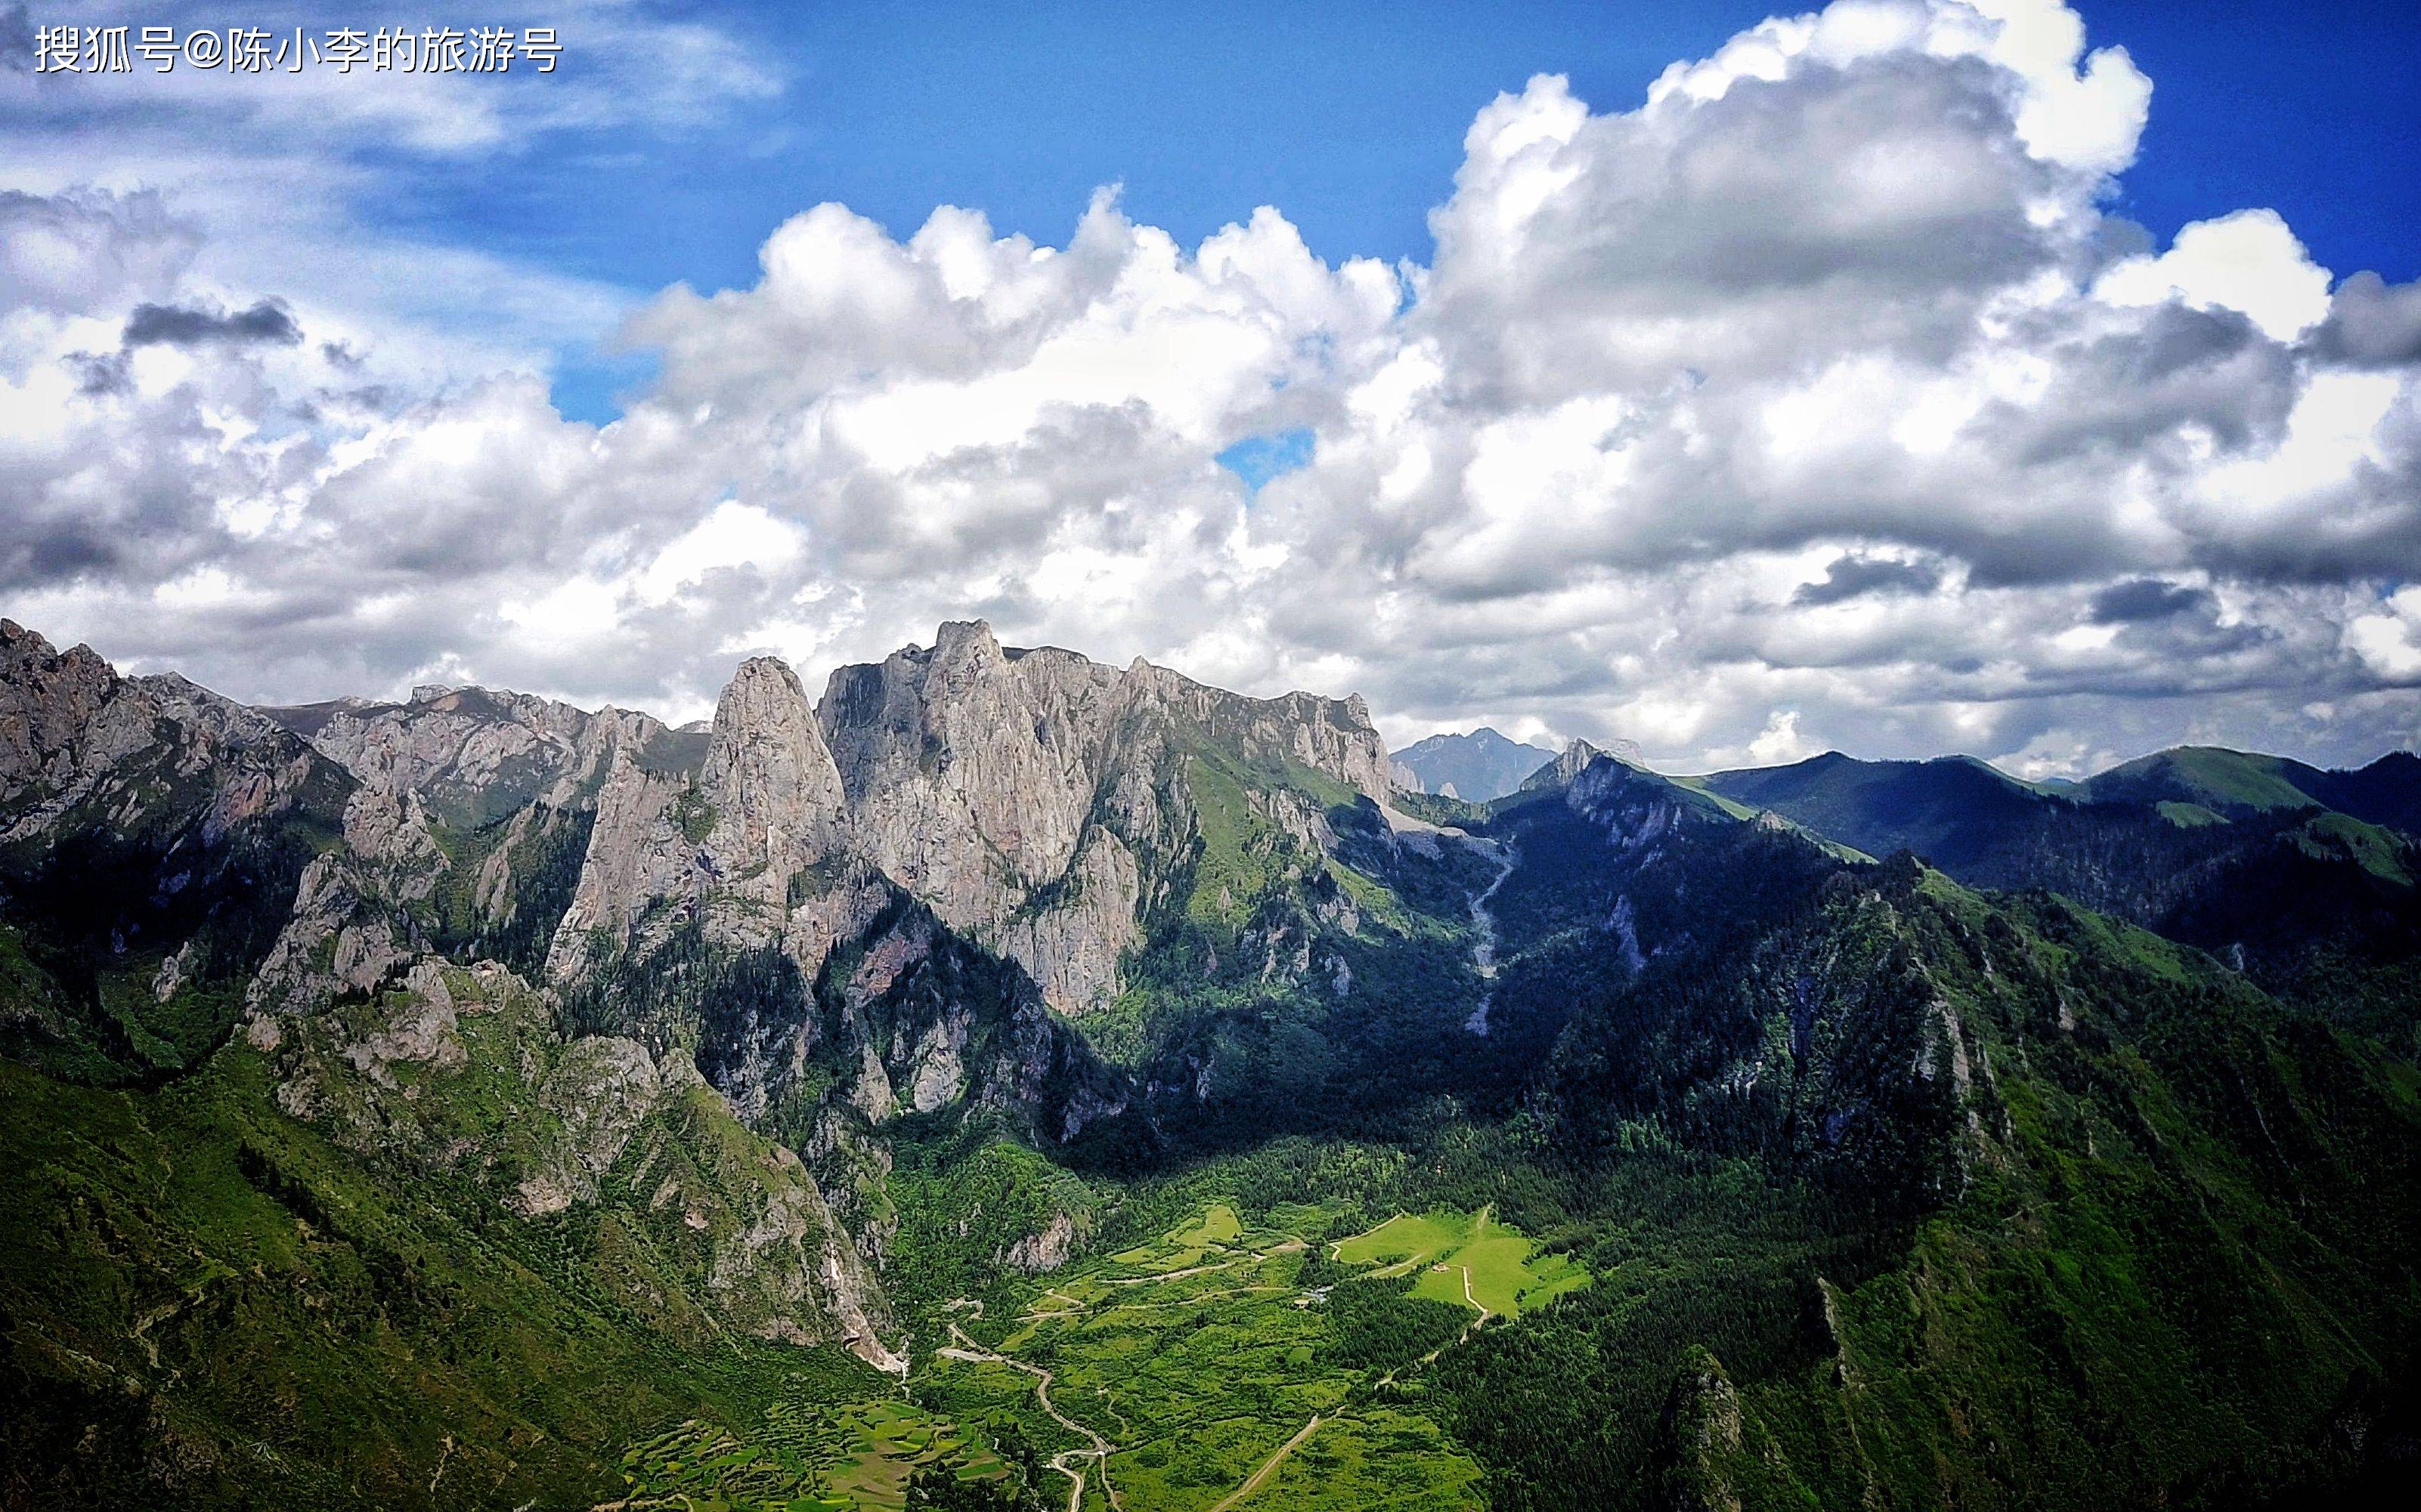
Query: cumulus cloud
x,y
1816,399
2249,262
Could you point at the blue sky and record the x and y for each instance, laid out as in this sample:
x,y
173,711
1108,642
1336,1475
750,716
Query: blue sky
x,y
1348,116
1834,394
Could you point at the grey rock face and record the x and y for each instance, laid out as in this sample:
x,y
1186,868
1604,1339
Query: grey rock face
x,y
473,755
752,849
82,746
1046,1251
1032,797
352,921
462,1069
969,775
769,781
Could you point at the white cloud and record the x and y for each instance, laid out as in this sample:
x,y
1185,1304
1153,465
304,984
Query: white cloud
x,y
1816,401
2248,261
2390,642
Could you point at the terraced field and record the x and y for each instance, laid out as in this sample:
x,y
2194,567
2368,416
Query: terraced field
x,y
1224,1366
1208,1365
803,1458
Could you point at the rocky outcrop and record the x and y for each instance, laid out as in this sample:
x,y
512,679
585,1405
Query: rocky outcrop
x,y
513,782
1074,938
770,793
1034,797
472,755
462,1069
1330,736
970,773
750,847
1047,1250
81,747
153,836
1701,1439
1576,759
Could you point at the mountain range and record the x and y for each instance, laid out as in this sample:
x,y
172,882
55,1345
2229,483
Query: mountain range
x,y
1478,766
477,1100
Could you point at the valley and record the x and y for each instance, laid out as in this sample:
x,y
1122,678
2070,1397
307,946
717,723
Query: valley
x,y
1010,1082
1221,1364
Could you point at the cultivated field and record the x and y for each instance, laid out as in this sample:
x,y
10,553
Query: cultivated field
x,y
1225,1365
1217,1364
1464,1259
803,1458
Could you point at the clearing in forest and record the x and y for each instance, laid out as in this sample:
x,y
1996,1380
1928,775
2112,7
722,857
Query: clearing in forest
x,y
1507,1276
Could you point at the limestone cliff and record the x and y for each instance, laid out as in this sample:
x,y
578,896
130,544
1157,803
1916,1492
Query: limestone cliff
x,y
152,839
463,1070
1037,799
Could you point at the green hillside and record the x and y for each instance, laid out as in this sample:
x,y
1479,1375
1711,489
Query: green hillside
x,y
2216,778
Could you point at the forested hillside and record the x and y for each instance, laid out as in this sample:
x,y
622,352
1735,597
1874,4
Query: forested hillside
x,y
1011,1082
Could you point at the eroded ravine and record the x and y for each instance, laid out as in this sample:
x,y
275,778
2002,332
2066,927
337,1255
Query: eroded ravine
x,y
1483,949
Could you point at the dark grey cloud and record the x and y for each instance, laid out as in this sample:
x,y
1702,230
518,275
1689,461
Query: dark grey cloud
x,y
180,325
1851,575
101,373
74,552
2372,322
2143,598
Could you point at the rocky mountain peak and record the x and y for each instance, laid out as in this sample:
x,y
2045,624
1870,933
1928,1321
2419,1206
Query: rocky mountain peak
x,y
47,700
969,772
1560,771
769,776
968,643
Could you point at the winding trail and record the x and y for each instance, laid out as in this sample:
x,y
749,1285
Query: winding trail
x,y
1269,1467
1101,1448
1478,1232
1483,950
1337,1246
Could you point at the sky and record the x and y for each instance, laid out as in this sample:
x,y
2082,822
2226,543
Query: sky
x,y
1905,378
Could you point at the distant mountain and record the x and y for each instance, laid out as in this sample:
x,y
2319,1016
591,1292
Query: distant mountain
x,y
2238,854
2236,783
1954,811
1474,768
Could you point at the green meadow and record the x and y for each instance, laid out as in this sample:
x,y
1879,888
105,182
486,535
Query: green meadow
x,y
1224,1363
804,1458
1464,1258
1234,1363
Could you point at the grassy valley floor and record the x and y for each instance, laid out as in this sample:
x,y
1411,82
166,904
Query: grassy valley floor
x,y
1225,1363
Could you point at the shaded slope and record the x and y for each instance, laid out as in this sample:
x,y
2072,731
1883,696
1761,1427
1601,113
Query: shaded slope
x,y
2023,1208
2213,849
228,1305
